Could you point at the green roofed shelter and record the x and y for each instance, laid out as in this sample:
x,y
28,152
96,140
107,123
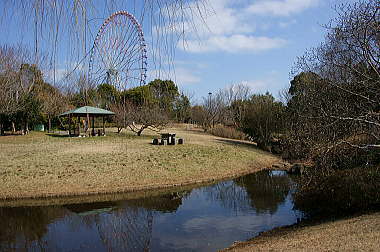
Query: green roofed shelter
x,y
88,112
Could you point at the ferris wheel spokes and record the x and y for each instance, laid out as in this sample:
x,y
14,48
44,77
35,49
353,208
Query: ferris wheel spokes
x,y
119,52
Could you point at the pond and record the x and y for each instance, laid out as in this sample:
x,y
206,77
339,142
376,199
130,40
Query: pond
x,y
200,219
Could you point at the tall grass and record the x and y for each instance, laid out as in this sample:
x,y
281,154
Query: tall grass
x,y
227,132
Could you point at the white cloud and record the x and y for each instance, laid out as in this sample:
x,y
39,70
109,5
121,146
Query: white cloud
x,y
269,82
185,76
223,20
281,7
287,23
227,27
182,75
257,85
215,18
235,43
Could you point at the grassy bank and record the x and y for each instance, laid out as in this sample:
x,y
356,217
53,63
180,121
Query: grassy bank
x,y
40,165
361,233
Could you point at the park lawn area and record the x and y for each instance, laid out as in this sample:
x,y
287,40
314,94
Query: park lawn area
x,y
41,165
359,233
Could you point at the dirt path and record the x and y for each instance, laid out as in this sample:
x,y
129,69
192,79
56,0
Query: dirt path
x,y
354,234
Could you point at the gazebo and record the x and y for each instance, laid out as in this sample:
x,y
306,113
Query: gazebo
x,y
89,113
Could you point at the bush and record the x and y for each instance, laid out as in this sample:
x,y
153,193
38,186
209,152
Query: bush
x,y
227,132
346,157
262,118
340,192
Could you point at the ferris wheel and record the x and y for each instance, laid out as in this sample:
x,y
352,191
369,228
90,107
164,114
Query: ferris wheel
x,y
118,56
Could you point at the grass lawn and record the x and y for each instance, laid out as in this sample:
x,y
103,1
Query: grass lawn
x,y
40,165
361,233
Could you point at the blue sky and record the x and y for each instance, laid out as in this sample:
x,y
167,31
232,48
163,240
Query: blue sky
x,y
254,42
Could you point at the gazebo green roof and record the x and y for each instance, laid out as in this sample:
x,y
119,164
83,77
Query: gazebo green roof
x,y
83,111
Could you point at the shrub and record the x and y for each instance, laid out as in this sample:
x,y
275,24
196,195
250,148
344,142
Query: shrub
x,y
339,192
263,117
227,132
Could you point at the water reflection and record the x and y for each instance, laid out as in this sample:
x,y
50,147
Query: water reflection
x,y
164,203
263,191
24,227
202,219
269,191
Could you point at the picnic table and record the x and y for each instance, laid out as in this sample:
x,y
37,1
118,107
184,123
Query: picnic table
x,y
169,137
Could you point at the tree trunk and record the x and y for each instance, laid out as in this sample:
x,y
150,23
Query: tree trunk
x,y
1,129
26,129
140,131
49,124
13,128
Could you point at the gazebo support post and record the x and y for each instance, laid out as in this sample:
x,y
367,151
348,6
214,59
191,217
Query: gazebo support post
x,y
87,122
104,127
93,125
89,113
69,125
78,125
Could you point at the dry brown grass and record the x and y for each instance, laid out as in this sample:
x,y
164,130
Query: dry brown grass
x,y
354,234
38,165
227,132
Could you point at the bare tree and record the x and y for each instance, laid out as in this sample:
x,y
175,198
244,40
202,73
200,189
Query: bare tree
x,y
214,106
147,117
236,92
198,115
335,94
53,102
121,113
225,106
12,83
234,97
139,117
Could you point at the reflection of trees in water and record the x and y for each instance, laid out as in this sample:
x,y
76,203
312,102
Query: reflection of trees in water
x,y
92,208
229,195
126,229
266,190
22,227
126,225
263,191
130,227
165,203
121,226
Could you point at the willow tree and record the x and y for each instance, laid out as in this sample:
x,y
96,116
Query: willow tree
x,y
69,27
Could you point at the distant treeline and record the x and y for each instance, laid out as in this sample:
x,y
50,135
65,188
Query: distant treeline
x,y
26,99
